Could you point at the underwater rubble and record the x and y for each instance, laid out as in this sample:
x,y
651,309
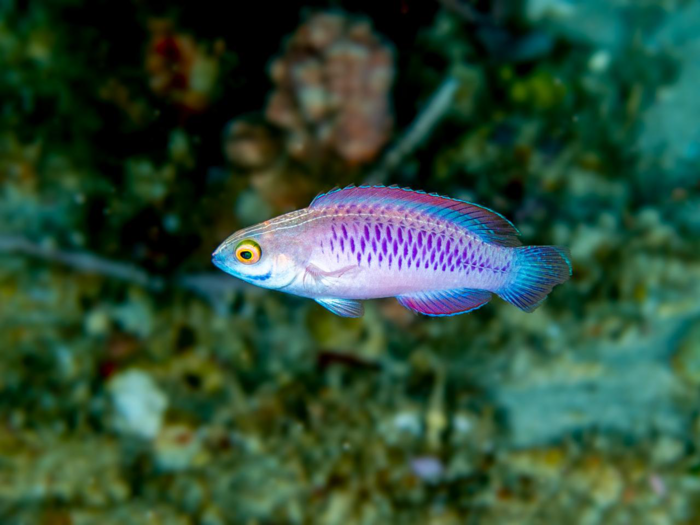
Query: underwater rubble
x,y
138,386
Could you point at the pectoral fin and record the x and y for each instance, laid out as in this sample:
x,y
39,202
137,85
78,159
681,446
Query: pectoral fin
x,y
446,302
326,279
343,307
315,272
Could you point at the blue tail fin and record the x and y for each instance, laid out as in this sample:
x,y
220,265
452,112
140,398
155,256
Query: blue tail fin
x,y
537,269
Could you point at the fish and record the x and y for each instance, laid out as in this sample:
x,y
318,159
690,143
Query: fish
x,y
438,256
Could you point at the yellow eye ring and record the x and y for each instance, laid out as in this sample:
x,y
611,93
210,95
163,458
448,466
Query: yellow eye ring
x,y
248,252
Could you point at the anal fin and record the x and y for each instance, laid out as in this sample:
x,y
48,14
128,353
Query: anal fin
x,y
343,307
445,302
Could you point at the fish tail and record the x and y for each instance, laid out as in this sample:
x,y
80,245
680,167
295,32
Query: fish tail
x,y
536,270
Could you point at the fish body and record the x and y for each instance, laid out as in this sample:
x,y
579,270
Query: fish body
x,y
438,256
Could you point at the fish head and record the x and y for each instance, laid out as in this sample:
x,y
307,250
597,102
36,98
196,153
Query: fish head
x,y
261,255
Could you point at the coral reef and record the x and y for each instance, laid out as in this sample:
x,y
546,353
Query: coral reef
x,y
137,385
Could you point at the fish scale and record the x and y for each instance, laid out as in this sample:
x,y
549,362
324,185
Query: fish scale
x,y
438,256
417,253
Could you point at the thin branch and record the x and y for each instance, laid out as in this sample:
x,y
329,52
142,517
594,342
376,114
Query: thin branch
x,y
209,285
465,10
81,261
434,111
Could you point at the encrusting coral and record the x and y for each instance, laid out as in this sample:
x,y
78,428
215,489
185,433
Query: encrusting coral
x,y
332,87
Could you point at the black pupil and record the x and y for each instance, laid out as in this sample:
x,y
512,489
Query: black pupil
x,y
247,255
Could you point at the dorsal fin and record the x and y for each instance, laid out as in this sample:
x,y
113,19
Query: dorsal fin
x,y
486,224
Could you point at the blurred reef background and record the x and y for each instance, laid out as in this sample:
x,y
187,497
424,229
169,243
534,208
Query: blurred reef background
x,y
138,385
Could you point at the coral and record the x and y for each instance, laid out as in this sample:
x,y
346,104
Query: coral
x,y
251,144
180,69
332,89
255,148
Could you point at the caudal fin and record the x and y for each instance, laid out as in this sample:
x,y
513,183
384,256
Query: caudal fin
x,y
536,270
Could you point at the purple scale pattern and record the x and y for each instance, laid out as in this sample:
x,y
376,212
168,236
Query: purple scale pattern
x,y
405,246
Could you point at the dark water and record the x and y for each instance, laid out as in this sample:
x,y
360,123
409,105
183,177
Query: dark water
x,y
139,384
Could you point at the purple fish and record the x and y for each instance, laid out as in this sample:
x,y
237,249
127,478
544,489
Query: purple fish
x,y
438,256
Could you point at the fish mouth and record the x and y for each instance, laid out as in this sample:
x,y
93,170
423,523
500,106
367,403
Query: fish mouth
x,y
226,247
218,258
221,258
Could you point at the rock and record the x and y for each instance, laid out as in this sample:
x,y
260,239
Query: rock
x,y
177,447
670,130
599,22
607,387
139,404
428,468
687,360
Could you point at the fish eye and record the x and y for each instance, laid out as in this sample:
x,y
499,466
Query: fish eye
x,y
248,252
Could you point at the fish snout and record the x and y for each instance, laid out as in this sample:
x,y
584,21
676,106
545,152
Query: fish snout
x,y
219,257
